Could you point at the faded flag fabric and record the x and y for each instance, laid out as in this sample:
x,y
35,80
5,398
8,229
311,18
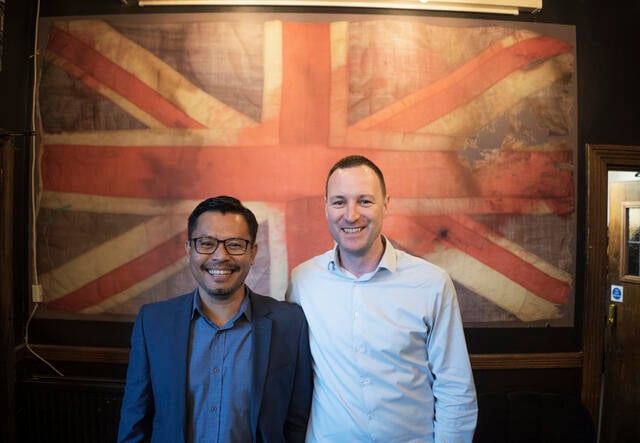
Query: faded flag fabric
x,y
472,123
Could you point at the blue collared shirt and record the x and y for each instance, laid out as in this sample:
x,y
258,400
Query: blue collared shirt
x,y
389,353
219,377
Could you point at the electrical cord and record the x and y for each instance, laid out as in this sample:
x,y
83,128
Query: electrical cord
x,y
36,282
28,346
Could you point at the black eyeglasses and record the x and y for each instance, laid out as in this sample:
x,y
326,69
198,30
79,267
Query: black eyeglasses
x,y
208,245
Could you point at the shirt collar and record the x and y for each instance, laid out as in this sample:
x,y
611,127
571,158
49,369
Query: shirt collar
x,y
388,260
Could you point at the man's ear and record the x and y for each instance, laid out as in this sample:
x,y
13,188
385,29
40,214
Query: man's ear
x,y
387,200
187,249
254,251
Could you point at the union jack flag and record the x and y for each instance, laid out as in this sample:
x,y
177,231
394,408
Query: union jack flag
x,y
473,124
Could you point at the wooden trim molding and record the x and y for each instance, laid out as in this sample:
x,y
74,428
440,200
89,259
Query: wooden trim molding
x,y
85,354
478,361
527,361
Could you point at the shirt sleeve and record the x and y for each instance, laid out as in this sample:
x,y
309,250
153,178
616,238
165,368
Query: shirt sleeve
x,y
137,404
454,391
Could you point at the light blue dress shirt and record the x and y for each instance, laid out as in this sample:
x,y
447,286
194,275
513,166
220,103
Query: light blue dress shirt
x,y
389,354
219,378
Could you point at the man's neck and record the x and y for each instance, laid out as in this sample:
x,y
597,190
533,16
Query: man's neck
x,y
221,310
360,265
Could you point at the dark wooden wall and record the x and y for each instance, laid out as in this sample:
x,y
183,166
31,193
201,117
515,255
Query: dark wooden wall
x,y
608,95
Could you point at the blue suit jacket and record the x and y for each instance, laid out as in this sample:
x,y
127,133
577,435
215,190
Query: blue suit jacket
x,y
154,404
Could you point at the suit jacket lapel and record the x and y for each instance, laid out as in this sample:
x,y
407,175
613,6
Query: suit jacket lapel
x,y
261,349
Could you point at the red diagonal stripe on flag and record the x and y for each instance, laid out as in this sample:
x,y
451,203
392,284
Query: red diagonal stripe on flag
x,y
122,277
447,231
451,92
94,67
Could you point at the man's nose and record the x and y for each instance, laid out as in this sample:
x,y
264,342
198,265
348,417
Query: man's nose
x,y
352,213
220,252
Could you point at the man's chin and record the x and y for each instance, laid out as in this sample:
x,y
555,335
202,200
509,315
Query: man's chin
x,y
354,250
220,293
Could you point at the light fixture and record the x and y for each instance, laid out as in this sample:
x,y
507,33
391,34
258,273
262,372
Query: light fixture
x,y
512,7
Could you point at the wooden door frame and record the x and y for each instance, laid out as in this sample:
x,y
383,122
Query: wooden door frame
x,y
7,339
600,160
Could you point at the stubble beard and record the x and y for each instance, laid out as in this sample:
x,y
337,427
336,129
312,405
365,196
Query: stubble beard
x,y
218,293
222,293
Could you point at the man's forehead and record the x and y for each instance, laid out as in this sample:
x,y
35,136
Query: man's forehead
x,y
340,193
222,220
361,173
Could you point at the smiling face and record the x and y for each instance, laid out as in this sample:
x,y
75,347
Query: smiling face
x,y
219,275
355,206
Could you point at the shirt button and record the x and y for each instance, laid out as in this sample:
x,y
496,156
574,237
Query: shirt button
x,y
364,381
356,315
370,416
216,370
214,408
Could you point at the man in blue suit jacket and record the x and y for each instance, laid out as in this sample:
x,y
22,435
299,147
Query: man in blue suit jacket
x,y
220,364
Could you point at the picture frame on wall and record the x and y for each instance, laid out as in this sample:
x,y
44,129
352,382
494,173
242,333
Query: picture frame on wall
x,y
473,122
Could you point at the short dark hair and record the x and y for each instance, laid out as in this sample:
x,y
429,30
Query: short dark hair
x,y
353,161
223,204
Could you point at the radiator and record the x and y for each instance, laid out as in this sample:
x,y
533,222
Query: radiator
x,y
68,410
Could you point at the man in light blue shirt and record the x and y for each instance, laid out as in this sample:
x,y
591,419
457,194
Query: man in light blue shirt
x,y
389,354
